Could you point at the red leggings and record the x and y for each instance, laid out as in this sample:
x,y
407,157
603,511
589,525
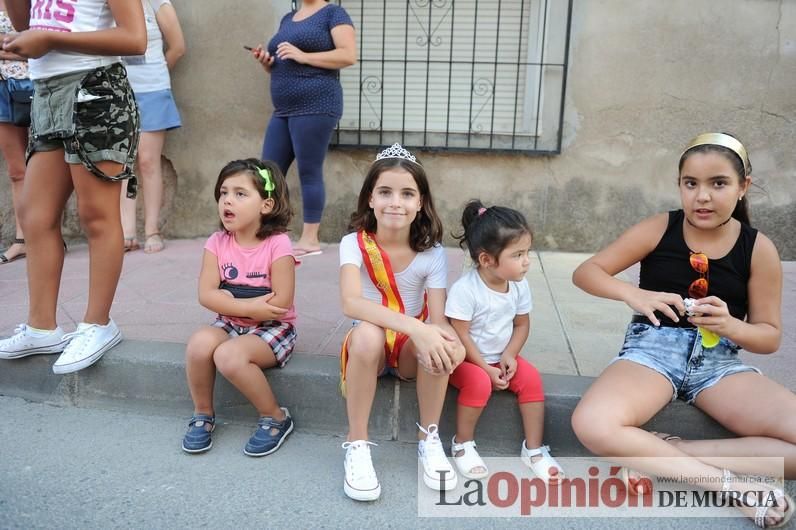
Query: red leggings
x,y
475,387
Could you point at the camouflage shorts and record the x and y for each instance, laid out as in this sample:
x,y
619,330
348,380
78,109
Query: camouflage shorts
x,y
92,116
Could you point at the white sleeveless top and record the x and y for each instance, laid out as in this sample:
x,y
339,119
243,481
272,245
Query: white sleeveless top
x,y
149,72
85,15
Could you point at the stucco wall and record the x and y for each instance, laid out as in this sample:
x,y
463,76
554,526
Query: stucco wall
x,y
645,76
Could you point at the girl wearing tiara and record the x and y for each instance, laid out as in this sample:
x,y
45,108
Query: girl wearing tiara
x,y
489,307
710,284
392,282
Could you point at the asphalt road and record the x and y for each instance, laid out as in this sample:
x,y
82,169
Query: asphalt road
x,y
66,467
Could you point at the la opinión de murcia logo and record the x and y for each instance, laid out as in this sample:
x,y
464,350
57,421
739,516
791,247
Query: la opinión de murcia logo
x,y
590,489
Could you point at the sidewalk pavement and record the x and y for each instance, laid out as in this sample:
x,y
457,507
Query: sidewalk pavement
x,y
573,337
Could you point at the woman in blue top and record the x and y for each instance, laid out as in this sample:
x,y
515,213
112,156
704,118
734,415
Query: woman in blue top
x,y
313,43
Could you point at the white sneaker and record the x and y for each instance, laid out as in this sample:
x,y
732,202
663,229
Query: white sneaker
x,y
438,473
360,482
27,341
86,345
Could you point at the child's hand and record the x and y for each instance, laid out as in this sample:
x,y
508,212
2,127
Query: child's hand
x,y
263,57
261,310
496,375
433,346
31,43
647,302
508,366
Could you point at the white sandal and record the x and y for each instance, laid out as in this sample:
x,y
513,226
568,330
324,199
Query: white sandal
x,y
787,512
469,460
542,466
761,513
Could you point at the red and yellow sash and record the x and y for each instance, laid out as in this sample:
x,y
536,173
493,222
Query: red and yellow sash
x,y
377,263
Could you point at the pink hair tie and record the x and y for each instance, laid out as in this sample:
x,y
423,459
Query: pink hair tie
x,y
481,211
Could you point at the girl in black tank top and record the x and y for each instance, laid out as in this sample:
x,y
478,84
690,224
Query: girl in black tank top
x,y
707,255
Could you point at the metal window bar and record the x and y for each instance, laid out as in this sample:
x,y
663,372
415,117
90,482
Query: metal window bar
x,y
494,75
517,76
423,105
541,77
472,70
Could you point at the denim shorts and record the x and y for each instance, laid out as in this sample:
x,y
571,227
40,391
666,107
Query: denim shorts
x,y
5,102
5,97
678,355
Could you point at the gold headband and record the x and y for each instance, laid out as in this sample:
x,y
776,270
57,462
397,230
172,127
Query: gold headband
x,y
724,140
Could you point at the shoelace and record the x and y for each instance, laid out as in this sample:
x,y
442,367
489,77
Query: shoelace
x,y
433,446
360,464
19,333
78,337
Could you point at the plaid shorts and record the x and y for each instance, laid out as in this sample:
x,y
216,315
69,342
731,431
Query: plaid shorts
x,y
280,336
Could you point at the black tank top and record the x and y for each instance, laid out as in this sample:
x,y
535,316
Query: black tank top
x,y
667,268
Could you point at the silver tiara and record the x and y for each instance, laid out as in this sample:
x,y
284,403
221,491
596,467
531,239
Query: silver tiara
x,y
396,151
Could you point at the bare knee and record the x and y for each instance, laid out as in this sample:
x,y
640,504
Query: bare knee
x,y
96,218
366,344
36,221
229,360
594,431
16,172
148,164
200,347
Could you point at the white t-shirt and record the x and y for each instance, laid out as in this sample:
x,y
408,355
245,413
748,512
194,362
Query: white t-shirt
x,y
149,72
429,270
490,313
85,15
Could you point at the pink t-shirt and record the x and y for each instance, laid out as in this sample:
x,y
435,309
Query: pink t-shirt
x,y
249,266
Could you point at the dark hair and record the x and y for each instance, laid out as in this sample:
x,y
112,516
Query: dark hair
x,y
490,229
277,220
426,229
741,211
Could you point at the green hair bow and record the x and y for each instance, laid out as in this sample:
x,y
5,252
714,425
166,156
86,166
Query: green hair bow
x,y
268,180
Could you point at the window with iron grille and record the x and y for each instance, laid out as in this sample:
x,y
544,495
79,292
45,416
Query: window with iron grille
x,y
457,74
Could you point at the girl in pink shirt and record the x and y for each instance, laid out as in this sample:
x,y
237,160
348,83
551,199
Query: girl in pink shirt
x,y
248,278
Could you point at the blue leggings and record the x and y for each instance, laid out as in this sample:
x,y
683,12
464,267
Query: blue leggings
x,y
305,139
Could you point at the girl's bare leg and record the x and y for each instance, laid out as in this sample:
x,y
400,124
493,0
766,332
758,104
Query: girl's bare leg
x,y
200,369
150,148
365,363
12,144
128,211
607,420
242,360
736,402
98,208
46,188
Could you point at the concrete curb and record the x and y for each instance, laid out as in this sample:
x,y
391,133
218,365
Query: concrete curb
x,y
140,375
